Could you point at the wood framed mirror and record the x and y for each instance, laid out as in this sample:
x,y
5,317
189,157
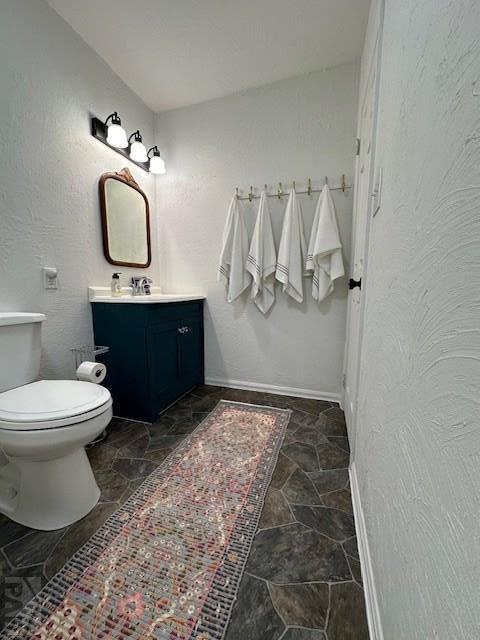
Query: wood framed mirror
x,y
125,220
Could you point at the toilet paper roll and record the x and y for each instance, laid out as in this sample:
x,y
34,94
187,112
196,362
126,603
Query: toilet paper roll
x,y
91,372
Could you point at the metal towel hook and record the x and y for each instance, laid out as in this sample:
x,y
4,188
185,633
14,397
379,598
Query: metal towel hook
x,y
344,184
236,191
280,190
250,195
309,188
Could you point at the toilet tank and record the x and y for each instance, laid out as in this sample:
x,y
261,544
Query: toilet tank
x,y
20,348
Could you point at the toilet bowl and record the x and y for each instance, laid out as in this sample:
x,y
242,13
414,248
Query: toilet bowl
x,y
46,481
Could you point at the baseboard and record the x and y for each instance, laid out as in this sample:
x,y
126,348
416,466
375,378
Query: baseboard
x,y
271,388
371,600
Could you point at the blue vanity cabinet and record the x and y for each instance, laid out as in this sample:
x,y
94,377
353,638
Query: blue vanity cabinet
x,y
156,353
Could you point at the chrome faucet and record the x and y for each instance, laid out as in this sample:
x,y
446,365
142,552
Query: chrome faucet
x,y
140,285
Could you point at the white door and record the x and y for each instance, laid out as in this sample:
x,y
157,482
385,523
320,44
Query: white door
x,y
362,211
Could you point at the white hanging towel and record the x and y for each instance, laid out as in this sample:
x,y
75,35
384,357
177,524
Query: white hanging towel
x,y
231,270
262,258
292,251
324,256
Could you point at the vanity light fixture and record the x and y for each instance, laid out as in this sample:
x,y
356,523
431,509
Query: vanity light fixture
x,y
138,151
111,133
116,136
157,165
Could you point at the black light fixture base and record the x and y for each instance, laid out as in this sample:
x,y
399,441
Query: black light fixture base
x,y
99,131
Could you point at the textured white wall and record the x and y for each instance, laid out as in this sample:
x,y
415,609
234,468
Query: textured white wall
x,y
288,130
49,168
418,445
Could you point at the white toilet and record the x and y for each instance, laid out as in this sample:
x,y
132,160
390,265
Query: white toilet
x,y
46,481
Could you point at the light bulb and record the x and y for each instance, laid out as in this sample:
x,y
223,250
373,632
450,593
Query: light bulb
x,y
157,165
138,152
116,136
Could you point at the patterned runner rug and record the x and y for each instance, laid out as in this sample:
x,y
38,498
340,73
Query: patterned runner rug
x,y
167,565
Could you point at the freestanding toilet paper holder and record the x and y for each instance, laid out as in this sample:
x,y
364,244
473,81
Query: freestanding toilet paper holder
x,y
87,352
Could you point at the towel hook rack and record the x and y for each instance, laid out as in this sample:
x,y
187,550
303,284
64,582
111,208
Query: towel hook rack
x,y
254,194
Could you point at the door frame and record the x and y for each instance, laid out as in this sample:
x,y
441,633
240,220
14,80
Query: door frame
x,y
371,57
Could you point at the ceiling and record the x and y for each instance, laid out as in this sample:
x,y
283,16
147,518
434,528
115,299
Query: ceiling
x,y
174,53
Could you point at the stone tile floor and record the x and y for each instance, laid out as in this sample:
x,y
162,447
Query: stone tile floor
x,y
303,577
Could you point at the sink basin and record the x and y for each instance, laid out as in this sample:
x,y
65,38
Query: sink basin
x,y
103,294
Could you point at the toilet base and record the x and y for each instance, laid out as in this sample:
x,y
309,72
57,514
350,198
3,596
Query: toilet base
x,y
53,493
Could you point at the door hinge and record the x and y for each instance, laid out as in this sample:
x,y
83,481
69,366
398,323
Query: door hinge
x,y
354,283
357,153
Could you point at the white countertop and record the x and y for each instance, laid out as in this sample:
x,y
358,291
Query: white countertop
x,y
103,294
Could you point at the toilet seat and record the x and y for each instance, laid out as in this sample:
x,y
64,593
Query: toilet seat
x,y
48,404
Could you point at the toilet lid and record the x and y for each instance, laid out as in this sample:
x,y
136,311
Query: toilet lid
x,y
51,400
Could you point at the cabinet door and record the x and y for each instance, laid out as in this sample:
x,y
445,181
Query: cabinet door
x,y
121,327
164,365
190,340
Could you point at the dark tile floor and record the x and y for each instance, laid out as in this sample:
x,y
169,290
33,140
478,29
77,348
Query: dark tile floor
x,y
303,578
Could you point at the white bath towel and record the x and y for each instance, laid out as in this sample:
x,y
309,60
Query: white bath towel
x,y
233,259
292,251
324,256
262,258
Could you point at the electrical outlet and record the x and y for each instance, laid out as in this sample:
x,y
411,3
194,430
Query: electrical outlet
x,y
50,277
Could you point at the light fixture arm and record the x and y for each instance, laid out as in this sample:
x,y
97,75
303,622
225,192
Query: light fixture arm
x,y
136,135
114,117
155,150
